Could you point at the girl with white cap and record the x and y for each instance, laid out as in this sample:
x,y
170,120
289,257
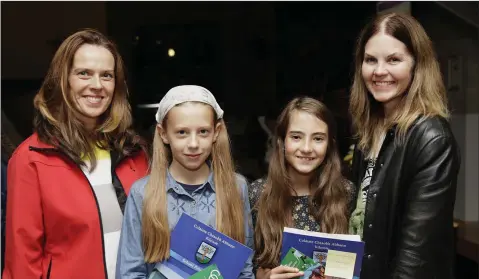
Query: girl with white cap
x,y
192,171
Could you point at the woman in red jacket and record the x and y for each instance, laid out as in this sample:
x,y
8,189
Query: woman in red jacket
x,y
68,182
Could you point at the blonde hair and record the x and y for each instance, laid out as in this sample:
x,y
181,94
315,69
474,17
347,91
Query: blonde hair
x,y
425,97
229,204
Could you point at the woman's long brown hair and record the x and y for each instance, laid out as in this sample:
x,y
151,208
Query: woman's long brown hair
x,y
229,204
426,95
329,198
55,118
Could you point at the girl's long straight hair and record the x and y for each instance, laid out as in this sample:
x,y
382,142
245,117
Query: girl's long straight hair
x,y
229,204
329,199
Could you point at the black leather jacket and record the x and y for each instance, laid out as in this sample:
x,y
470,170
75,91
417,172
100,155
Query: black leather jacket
x,y
408,226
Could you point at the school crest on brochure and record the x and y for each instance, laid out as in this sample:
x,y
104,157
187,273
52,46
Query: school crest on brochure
x,y
205,253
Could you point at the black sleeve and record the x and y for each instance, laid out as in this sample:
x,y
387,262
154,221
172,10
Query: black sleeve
x,y
428,215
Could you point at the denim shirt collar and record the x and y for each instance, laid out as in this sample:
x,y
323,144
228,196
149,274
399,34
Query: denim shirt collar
x,y
172,184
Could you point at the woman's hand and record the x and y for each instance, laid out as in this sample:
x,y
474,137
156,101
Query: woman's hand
x,y
279,272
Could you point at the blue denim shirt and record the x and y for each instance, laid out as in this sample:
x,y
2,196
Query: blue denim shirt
x,y
200,205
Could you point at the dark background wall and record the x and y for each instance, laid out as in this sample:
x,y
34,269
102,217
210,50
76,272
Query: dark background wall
x,y
254,56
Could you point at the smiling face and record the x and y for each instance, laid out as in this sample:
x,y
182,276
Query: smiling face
x,y
92,82
306,143
387,69
190,132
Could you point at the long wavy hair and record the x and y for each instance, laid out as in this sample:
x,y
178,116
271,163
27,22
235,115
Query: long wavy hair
x,y
55,119
229,204
329,198
425,97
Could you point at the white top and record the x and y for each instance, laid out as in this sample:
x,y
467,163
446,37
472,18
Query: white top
x,y
110,211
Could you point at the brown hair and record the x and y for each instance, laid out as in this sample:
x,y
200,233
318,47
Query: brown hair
x,y
55,120
426,95
329,199
229,204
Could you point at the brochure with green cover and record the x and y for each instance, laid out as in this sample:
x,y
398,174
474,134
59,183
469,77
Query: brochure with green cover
x,y
295,258
211,272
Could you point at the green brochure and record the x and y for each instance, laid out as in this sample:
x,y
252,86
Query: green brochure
x,y
295,258
211,272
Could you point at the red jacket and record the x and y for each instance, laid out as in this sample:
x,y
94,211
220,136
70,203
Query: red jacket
x,y
53,227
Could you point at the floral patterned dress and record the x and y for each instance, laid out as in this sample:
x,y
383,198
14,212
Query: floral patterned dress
x,y
302,218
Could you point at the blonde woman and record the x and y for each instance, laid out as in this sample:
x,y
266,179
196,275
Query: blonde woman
x,y
192,172
406,161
